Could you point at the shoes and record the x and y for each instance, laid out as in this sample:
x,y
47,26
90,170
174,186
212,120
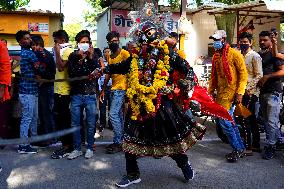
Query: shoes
x,y
127,180
89,154
279,146
256,149
27,149
74,154
248,152
110,146
269,152
234,156
114,148
188,172
61,153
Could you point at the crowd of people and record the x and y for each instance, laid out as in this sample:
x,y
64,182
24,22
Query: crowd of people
x,y
93,83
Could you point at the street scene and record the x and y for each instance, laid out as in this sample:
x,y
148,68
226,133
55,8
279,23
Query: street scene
x,y
141,94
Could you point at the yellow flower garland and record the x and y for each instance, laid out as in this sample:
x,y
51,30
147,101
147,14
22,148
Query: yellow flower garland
x,y
145,95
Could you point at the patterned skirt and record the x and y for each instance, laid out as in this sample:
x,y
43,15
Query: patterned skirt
x,y
171,131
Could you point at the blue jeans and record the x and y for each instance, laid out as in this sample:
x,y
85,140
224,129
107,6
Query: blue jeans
x,y
116,114
232,132
29,105
270,109
46,105
88,102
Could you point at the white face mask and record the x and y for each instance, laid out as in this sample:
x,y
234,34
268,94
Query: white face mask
x,y
83,46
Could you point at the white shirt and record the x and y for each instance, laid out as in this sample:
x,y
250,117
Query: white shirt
x,y
254,69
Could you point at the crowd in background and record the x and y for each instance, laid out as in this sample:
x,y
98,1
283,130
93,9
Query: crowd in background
x,y
246,77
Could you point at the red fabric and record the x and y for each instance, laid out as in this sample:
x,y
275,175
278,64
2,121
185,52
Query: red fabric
x,y
226,68
208,105
5,70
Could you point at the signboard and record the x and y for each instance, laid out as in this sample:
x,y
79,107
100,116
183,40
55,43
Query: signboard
x,y
38,27
122,23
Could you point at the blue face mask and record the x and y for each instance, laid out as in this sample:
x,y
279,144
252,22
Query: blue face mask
x,y
217,45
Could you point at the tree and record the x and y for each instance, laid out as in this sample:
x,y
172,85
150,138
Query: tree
x,y
72,29
12,4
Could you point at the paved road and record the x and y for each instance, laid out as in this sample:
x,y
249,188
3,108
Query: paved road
x,y
103,170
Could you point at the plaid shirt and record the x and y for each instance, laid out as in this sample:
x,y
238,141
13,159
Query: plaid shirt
x,y
29,64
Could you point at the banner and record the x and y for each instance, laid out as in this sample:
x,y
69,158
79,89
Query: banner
x,y
122,23
38,27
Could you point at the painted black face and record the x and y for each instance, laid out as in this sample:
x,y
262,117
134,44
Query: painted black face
x,y
149,33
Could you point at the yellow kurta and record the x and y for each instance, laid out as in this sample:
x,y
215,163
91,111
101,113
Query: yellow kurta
x,y
226,91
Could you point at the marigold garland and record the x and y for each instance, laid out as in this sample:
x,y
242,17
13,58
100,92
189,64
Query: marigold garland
x,y
140,94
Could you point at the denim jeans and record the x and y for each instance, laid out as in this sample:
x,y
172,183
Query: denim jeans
x,y
116,114
106,102
232,132
46,105
29,104
270,108
88,102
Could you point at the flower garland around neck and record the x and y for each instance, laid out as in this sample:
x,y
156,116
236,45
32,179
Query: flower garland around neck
x,y
141,95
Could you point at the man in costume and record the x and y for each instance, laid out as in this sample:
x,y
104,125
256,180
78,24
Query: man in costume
x,y
229,79
157,123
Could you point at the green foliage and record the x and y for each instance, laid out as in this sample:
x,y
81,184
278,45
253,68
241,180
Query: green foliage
x,y
175,4
91,15
232,2
12,4
72,29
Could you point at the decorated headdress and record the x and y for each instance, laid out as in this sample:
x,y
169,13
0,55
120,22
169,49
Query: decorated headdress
x,y
148,24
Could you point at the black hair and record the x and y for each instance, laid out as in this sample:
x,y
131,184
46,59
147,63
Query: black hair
x,y
105,48
97,53
4,40
37,40
264,33
82,34
112,35
174,35
61,34
20,34
246,35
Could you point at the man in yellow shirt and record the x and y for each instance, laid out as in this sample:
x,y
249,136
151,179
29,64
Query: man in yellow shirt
x,y
118,90
62,49
229,79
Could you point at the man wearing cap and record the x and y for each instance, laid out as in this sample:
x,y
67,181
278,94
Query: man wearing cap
x,y
229,79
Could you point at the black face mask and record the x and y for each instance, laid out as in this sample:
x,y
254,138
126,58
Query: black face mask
x,y
244,47
113,47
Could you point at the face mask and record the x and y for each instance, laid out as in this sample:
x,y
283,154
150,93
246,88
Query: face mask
x,y
83,46
113,47
217,45
244,47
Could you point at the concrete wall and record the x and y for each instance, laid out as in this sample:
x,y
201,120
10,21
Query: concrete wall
x,y
11,23
196,43
103,27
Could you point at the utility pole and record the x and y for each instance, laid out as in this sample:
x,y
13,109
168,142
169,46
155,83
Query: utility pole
x,y
60,6
182,13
